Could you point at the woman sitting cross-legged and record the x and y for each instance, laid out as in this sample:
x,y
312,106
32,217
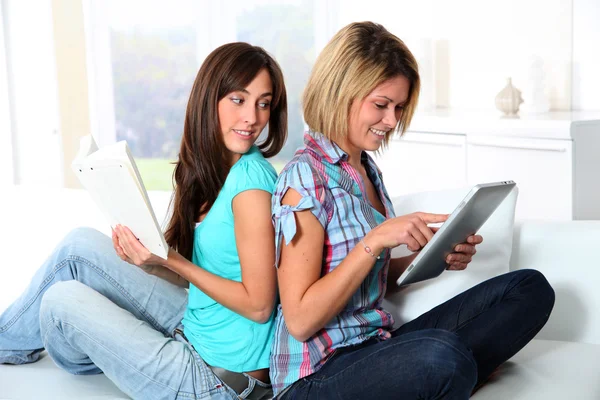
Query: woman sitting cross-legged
x,y
94,311
335,226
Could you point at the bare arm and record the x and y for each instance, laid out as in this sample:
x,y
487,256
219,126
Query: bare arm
x,y
308,300
168,275
254,296
397,267
458,260
154,269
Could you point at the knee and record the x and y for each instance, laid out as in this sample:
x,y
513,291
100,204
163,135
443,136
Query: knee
x,y
82,242
59,303
81,236
447,359
535,288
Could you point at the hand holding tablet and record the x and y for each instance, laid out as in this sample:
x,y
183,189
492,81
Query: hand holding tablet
x,y
411,229
466,220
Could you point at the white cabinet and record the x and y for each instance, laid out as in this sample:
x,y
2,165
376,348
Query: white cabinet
x,y
554,158
541,168
420,162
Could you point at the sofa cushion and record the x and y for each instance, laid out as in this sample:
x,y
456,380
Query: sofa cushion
x,y
566,252
543,370
547,370
44,380
34,222
492,257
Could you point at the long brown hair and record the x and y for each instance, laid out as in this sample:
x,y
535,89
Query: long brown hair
x,y
202,166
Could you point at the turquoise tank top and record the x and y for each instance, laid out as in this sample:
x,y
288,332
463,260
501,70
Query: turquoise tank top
x,y
222,337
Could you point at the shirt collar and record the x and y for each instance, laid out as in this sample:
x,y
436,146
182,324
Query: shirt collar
x,y
329,150
324,147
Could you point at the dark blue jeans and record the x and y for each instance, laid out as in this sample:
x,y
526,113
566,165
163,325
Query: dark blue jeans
x,y
443,354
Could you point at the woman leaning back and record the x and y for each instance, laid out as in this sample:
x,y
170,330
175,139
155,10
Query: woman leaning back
x,y
335,226
94,310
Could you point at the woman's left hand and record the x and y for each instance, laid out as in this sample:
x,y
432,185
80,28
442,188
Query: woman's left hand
x,y
463,254
134,251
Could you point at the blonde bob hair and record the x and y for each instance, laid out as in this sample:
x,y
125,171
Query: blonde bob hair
x,y
356,60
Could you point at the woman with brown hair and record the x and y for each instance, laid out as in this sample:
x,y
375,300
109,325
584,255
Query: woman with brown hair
x,y
335,227
94,312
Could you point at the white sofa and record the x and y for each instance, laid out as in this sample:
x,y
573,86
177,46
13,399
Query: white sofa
x,y
561,363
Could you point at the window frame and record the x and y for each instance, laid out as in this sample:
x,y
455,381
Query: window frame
x,y
215,25
7,162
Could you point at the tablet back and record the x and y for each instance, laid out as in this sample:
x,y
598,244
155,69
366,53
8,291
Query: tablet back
x,y
472,212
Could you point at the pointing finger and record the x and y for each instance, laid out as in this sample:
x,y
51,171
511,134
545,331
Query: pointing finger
x,y
429,218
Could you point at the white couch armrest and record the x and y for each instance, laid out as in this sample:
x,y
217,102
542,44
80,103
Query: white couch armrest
x,y
567,254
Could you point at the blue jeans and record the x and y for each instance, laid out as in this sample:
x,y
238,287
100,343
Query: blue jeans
x,y
443,354
95,313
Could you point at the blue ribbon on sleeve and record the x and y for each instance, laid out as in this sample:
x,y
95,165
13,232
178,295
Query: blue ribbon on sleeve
x,y
287,221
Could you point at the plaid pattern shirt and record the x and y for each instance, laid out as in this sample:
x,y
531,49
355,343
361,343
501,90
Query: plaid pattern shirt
x,y
334,192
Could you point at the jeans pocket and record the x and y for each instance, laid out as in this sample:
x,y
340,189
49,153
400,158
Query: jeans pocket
x,y
204,383
256,390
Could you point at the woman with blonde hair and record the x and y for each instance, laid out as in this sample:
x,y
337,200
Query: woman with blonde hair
x,y
335,226
112,307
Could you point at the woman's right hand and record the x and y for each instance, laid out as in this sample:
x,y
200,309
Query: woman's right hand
x,y
121,253
410,229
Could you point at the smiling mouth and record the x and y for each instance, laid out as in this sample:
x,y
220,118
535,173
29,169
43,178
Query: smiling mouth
x,y
379,133
243,133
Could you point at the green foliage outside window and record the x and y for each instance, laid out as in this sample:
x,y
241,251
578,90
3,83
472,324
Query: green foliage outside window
x,y
153,73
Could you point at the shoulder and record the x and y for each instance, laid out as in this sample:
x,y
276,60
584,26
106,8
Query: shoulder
x,y
305,173
303,169
252,171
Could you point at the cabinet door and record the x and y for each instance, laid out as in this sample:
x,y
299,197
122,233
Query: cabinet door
x,y
420,162
541,168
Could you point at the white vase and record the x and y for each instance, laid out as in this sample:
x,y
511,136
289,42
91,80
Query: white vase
x,y
534,96
509,99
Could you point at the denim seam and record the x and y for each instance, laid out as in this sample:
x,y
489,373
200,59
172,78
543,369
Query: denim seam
x,y
12,360
101,273
41,288
317,380
200,363
55,324
125,293
504,294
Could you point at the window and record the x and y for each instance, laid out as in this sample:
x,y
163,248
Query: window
x,y
153,62
155,52
285,29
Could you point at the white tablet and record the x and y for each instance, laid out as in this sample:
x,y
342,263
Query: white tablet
x,y
464,221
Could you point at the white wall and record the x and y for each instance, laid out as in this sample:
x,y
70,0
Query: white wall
x,y
33,95
586,55
478,44
466,49
6,161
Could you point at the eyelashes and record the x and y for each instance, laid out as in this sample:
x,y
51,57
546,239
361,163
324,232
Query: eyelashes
x,y
384,106
264,105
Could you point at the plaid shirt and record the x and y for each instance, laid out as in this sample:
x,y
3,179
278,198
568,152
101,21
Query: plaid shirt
x,y
334,192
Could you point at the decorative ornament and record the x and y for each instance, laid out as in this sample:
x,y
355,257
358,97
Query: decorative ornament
x,y
509,99
536,101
